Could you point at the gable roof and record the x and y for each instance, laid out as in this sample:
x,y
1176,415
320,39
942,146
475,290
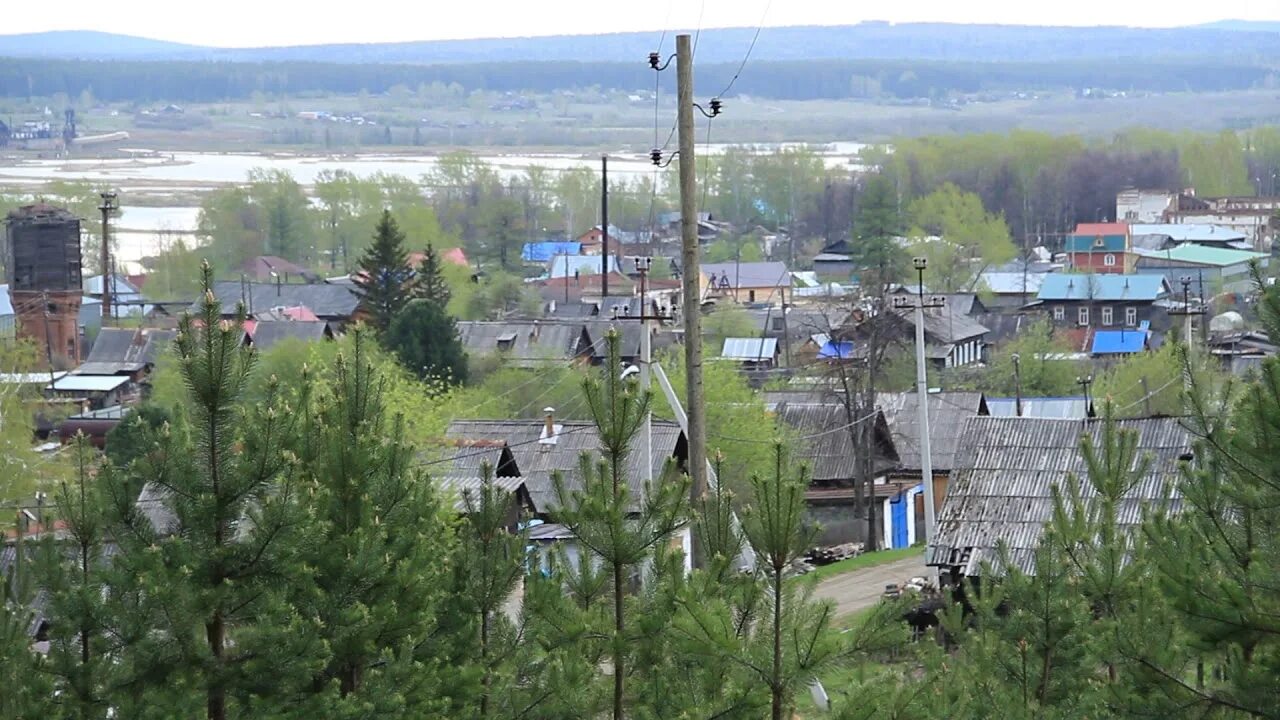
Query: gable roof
x,y
124,350
945,326
266,268
541,252
1062,408
1001,487
269,332
465,489
825,445
948,412
524,342
1190,232
747,275
1098,237
328,301
537,460
1103,287
628,345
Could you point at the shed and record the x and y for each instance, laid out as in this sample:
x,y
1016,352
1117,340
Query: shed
x,y
761,352
266,333
1001,487
124,351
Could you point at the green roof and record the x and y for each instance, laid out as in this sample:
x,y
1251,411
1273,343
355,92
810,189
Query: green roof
x,y
1201,255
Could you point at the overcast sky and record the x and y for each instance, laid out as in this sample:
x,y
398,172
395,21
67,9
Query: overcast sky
x,y
247,23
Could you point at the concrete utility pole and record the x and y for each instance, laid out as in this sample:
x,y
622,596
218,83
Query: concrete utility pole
x,y
691,275
107,207
604,226
919,304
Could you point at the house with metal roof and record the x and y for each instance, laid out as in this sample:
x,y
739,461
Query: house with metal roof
x,y
126,299
268,333
948,412
1009,291
1122,342
1002,486
951,339
1100,248
1162,235
1062,408
1212,270
464,491
1089,299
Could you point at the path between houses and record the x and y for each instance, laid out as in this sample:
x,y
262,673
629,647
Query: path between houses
x,y
859,589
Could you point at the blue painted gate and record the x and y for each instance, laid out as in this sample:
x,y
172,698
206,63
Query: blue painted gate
x,y
898,516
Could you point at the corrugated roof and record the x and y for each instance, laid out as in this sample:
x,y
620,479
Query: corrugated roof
x,y
269,332
459,487
945,326
537,461
826,445
1001,487
565,266
1203,255
629,344
123,350
948,412
1102,287
540,252
748,349
34,378
1120,342
525,343
329,301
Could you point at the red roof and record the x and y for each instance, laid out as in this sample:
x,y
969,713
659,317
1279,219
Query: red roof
x,y
452,255
1116,228
301,312
616,280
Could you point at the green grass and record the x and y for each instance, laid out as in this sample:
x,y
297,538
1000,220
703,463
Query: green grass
x,y
863,561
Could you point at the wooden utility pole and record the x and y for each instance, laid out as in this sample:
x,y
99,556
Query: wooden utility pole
x,y
107,207
691,273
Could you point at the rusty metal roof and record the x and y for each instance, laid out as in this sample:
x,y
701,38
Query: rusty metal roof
x,y
1001,487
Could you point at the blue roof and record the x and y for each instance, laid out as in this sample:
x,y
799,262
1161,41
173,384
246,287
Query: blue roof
x,y
839,350
540,252
1120,342
1089,243
1113,288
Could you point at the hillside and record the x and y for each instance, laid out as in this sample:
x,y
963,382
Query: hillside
x,y
866,41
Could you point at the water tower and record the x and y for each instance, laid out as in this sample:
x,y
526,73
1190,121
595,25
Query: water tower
x,y
42,267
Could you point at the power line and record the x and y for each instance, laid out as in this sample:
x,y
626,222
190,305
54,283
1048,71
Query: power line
x,y
750,47
802,438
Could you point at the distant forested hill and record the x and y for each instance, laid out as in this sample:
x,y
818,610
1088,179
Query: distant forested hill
x,y
884,41
151,81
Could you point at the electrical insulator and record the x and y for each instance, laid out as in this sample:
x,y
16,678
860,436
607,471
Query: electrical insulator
x,y
653,60
655,156
715,107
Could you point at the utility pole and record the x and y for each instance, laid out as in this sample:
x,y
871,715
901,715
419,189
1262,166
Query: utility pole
x,y
107,207
691,275
604,226
919,304
643,264
1017,385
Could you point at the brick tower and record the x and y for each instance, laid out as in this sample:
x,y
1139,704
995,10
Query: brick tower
x,y
42,267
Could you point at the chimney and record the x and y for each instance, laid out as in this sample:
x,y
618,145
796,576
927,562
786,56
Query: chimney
x,y
536,331
549,429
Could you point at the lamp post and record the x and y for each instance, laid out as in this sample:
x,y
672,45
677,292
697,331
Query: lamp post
x,y
1084,382
918,304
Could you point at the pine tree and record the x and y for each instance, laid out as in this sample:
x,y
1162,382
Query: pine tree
x,y
208,557
489,566
377,571
425,339
429,282
610,525
383,281
876,225
72,575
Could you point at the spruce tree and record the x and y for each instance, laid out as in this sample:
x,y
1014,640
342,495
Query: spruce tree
x,y
376,558
209,556
429,282
425,339
383,281
610,524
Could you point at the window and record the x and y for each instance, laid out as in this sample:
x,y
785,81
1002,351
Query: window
x,y
1099,242
1106,316
1082,316
1109,260
777,324
1059,312
1131,316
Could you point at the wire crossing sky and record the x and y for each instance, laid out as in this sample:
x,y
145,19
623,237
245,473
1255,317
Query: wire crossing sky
x,y
252,23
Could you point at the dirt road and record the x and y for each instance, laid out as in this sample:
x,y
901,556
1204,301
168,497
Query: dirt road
x,y
860,589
